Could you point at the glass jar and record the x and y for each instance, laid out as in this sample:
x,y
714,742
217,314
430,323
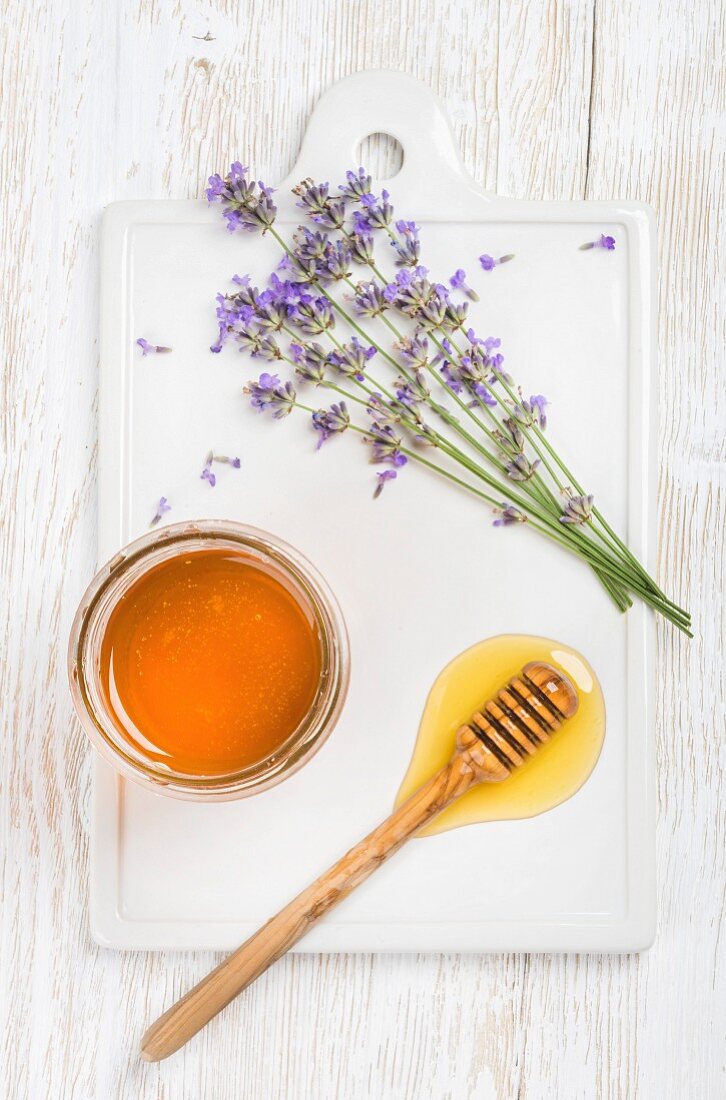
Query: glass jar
x,y
116,578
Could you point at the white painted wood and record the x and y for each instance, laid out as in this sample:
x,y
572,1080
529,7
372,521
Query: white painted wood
x,y
113,101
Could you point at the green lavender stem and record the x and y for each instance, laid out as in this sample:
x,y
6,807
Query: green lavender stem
x,y
609,568
538,503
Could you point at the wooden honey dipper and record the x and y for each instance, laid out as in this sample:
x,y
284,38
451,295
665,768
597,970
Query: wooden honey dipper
x,y
499,738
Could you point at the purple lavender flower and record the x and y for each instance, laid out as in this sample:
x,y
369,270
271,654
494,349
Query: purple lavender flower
x,y
333,217
381,479
330,421
407,244
608,243
304,270
432,312
577,509
473,373
352,359
410,293
369,300
246,204
381,413
151,349
314,197
310,244
514,437
386,445
235,311
271,314
225,460
313,316
361,223
162,507
266,348
358,184
458,282
378,212
412,391
488,263
284,293
335,262
489,343
361,245
483,395
455,314
207,474
310,362
315,200
414,350
494,362
268,392
539,404
451,377
520,468
508,514
532,411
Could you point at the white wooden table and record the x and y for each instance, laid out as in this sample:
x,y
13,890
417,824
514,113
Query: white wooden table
x,y
115,100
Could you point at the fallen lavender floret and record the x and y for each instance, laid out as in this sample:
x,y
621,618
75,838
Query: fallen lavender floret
x,y
458,282
488,263
151,349
162,507
208,474
603,241
383,477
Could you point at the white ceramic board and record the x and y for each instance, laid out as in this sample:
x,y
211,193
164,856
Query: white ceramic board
x,y
420,573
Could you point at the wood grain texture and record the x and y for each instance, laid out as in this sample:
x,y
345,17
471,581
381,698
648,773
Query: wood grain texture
x,y
599,98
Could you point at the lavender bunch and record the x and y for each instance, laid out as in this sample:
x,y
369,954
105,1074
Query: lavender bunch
x,y
406,370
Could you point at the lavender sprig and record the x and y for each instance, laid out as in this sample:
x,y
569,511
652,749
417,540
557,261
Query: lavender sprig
x,y
491,422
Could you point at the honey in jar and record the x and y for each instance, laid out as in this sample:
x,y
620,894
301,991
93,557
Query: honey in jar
x,y
209,663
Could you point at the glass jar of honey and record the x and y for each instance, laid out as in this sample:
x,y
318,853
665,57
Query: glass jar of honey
x,y
208,660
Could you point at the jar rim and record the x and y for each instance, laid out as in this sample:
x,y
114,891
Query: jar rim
x,y
123,570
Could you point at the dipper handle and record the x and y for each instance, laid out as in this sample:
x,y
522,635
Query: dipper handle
x,y
486,751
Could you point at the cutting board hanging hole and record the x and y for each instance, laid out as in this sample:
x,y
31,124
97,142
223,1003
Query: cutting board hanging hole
x,y
381,155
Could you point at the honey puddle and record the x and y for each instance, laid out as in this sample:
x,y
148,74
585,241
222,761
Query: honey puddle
x,y
552,775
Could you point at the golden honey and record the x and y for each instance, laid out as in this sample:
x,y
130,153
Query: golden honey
x,y
209,663
552,775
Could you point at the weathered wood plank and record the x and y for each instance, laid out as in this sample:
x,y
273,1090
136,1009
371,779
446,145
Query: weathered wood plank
x,y
548,100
